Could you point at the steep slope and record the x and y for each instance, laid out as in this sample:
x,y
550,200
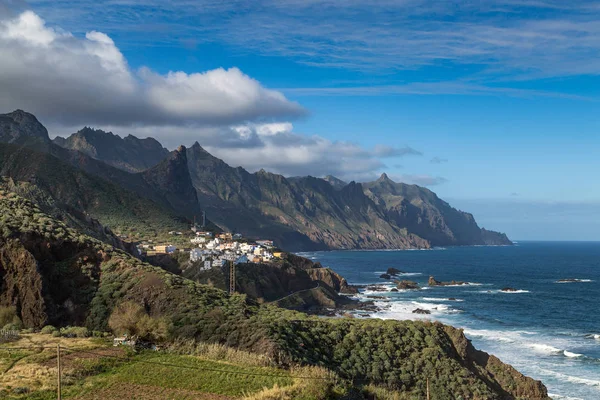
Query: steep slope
x,y
79,196
52,274
149,185
286,210
171,176
295,283
129,153
421,212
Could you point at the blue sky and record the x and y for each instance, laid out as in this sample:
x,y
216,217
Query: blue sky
x,y
492,104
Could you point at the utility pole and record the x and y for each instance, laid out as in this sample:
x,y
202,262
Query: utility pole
x,y
231,277
428,389
59,372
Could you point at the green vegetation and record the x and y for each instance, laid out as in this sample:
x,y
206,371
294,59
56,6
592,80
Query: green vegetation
x,y
92,369
90,283
9,320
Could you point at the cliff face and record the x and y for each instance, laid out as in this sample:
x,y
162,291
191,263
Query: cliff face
x,y
295,283
300,213
171,177
504,378
424,214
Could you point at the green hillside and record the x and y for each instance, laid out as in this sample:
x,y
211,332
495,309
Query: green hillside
x,y
51,274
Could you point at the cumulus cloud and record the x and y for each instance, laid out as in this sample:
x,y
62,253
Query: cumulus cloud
x,y
87,80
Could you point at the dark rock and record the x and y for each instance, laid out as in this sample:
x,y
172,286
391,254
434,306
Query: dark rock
x,y
433,282
385,276
376,288
394,290
421,311
393,271
407,285
452,299
508,289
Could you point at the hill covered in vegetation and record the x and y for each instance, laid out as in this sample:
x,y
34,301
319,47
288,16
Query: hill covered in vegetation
x,y
52,274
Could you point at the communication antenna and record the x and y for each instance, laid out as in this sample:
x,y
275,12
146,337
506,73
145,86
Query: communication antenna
x,y
231,277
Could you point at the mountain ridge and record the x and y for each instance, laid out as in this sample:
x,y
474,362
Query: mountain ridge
x,y
300,213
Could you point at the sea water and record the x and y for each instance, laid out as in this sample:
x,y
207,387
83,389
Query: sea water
x,y
546,329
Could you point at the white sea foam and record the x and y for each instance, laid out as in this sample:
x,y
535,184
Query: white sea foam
x,y
572,355
560,397
545,348
576,281
496,335
570,378
496,291
441,299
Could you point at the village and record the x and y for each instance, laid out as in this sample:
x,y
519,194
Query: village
x,y
213,249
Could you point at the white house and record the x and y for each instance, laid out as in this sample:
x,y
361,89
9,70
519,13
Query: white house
x,y
195,255
199,240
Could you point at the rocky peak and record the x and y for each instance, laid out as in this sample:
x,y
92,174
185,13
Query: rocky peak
x,y
384,178
21,127
335,182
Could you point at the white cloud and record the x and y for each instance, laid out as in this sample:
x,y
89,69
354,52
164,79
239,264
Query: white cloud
x,y
71,80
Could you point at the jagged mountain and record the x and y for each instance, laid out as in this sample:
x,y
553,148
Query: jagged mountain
x,y
129,153
301,213
147,185
172,177
335,182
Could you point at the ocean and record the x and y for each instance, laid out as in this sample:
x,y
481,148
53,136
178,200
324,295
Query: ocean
x,y
546,329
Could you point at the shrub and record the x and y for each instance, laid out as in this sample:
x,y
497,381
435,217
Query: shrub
x,y
48,330
75,331
11,327
56,333
8,316
131,318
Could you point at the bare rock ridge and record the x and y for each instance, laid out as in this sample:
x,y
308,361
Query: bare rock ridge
x,y
129,153
302,213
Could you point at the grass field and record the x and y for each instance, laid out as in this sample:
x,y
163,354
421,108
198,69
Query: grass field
x,y
93,369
